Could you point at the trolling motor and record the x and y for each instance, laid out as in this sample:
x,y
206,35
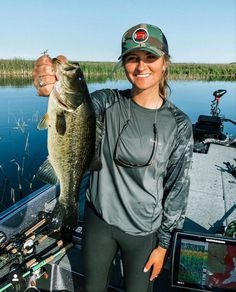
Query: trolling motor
x,y
215,111
209,128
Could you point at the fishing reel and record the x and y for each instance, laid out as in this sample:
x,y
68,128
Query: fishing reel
x,y
3,238
28,247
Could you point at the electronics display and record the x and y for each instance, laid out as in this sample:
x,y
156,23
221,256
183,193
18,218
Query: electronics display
x,y
204,263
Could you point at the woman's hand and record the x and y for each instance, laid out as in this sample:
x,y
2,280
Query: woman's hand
x,y
44,74
156,262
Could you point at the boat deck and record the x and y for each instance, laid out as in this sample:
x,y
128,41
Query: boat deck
x,y
212,204
212,198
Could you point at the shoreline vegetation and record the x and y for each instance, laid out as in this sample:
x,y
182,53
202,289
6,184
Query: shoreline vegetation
x,y
18,71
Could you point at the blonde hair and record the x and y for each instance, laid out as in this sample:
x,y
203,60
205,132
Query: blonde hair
x,y
164,88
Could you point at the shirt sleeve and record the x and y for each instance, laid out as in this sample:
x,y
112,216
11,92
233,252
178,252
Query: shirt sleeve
x,y
102,99
176,183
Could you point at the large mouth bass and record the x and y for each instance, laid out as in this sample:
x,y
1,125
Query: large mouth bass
x,y
71,124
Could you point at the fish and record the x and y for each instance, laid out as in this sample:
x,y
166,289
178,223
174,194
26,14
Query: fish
x,y
71,139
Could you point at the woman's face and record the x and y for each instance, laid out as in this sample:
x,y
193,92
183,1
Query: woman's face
x,y
143,69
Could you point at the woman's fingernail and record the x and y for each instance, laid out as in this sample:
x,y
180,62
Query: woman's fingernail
x,y
145,270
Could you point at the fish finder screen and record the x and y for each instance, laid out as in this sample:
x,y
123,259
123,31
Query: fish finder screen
x,y
204,263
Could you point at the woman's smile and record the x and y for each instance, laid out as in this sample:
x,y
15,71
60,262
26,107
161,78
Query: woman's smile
x,y
143,69
143,75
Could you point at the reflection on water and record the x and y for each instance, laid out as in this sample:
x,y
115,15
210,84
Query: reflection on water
x,y
23,147
15,81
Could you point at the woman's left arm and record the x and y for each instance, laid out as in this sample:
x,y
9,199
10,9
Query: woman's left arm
x,y
176,183
156,262
176,189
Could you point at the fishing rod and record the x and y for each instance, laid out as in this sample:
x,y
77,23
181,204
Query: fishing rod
x,y
25,250
28,250
18,240
16,277
28,262
22,247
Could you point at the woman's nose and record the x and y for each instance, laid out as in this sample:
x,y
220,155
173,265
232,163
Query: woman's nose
x,y
141,65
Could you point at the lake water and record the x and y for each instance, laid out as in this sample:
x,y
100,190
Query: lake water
x,y
23,147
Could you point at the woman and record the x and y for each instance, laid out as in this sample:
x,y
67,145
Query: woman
x,y
139,196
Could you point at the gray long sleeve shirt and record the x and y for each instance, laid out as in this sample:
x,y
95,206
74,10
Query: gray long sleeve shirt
x,y
146,199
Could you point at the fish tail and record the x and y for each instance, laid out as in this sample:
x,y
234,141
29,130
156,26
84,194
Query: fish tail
x,y
63,215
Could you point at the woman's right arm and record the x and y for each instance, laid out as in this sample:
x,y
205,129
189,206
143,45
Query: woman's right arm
x,y
103,99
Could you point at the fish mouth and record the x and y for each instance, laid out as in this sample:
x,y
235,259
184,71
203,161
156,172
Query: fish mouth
x,y
60,102
70,78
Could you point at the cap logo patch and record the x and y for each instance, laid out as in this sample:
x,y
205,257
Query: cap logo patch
x,y
140,35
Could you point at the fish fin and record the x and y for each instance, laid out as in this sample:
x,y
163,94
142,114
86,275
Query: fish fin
x,y
43,123
46,173
61,123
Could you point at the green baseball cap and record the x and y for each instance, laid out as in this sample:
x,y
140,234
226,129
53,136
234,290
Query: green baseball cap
x,y
144,37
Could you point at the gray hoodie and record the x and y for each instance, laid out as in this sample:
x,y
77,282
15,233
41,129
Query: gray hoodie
x,y
144,199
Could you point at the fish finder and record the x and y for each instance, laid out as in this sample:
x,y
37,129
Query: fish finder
x,y
203,262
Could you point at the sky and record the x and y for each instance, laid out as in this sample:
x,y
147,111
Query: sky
x,y
198,31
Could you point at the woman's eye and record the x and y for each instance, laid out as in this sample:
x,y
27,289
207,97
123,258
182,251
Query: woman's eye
x,y
131,59
151,57
135,59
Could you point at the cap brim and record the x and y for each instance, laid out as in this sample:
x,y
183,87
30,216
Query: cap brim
x,y
156,52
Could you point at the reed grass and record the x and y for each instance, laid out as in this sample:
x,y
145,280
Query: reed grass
x,y
18,69
193,71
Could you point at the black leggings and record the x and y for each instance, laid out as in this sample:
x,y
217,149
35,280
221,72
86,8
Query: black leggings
x,y
100,244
